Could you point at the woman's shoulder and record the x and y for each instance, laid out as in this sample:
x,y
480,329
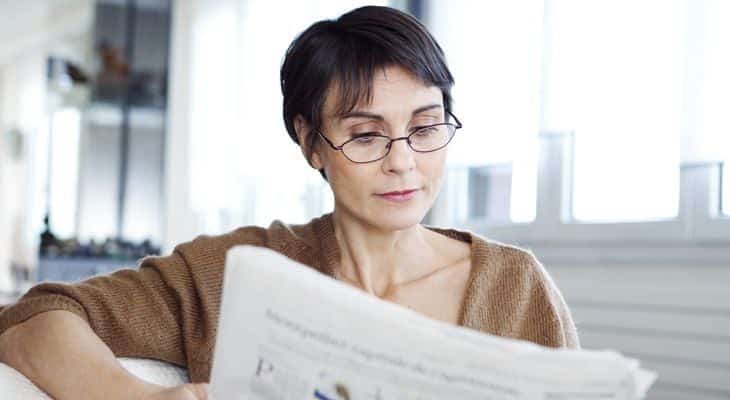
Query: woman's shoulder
x,y
487,251
278,236
509,282
508,257
497,263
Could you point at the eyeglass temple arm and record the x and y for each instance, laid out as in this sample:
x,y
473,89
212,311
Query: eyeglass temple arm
x,y
328,141
458,123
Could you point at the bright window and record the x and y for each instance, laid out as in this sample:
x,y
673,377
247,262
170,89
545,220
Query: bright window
x,y
617,81
65,133
494,52
716,90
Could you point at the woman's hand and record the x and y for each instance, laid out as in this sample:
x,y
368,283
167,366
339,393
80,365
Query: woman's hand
x,y
191,391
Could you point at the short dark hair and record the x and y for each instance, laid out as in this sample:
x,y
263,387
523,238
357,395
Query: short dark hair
x,y
347,52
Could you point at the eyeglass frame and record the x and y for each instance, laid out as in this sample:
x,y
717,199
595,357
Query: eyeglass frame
x,y
389,146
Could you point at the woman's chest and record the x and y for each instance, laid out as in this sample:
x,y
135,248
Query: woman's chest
x,y
439,296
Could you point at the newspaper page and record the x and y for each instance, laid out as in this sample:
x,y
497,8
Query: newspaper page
x,y
288,332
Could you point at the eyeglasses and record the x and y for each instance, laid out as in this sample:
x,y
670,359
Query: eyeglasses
x,y
369,147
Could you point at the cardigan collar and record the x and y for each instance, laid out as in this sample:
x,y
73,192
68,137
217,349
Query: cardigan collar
x,y
330,259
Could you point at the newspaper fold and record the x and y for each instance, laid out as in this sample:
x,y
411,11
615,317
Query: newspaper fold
x,y
289,332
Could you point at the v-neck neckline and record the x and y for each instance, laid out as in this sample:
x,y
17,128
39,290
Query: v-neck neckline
x,y
331,258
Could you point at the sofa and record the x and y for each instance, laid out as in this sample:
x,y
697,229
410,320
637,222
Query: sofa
x,y
15,386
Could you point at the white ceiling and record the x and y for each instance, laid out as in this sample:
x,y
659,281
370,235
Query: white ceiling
x,y
24,24
17,14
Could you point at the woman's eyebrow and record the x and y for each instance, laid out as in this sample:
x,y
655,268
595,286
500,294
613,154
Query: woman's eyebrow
x,y
361,114
426,108
365,114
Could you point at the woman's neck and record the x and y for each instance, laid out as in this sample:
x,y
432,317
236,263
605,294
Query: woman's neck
x,y
377,261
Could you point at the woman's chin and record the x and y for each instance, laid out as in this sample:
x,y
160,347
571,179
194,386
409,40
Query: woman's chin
x,y
399,219
386,217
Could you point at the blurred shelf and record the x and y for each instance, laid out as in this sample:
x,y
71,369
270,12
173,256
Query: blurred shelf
x,y
75,269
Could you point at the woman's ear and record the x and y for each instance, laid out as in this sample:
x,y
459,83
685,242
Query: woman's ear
x,y
304,129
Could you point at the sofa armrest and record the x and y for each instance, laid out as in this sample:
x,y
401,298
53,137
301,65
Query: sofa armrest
x,y
15,386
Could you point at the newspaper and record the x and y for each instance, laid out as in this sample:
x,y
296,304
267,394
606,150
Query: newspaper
x,y
288,332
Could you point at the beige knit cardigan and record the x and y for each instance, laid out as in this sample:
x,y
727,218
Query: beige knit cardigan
x,y
167,309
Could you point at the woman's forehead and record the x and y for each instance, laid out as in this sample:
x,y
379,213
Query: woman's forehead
x,y
391,89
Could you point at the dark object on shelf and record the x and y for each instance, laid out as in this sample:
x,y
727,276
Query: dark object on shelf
x,y
49,241
62,70
70,260
73,261
113,64
53,247
113,249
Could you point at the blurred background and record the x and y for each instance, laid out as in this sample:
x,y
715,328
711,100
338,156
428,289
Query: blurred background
x,y
596,133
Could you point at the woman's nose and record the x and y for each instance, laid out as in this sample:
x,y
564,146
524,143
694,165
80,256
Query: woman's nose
x,y
401,157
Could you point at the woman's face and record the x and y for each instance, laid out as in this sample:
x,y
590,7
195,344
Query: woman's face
x,y
400,102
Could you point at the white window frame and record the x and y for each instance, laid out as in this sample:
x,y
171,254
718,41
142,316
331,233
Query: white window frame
x,y
699,234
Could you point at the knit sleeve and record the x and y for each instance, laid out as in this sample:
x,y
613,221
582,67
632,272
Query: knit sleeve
x,y
136,312
555,305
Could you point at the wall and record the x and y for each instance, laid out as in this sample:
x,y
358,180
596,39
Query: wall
x,y
674,318
29,32
22,102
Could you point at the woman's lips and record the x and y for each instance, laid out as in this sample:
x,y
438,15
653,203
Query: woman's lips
x,y
399,196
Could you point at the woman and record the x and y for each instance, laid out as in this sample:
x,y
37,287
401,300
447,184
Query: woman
x,y
367,98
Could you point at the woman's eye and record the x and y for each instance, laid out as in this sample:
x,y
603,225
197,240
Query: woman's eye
x,y
364,139
426,130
